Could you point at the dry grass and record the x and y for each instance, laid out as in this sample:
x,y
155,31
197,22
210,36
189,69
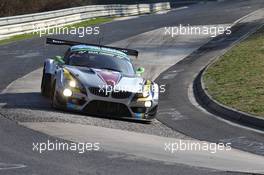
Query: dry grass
x,y
237,78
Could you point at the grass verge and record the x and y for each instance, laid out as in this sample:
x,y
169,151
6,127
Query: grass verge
x,y
237,78
86,23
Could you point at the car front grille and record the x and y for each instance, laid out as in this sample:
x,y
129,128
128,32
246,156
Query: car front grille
x,y
104,108
99,92
121,94
103,93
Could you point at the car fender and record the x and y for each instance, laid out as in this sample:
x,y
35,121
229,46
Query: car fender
x,y
59,78
156,91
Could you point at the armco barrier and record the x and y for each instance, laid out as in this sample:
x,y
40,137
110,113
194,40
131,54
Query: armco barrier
x,y
14,25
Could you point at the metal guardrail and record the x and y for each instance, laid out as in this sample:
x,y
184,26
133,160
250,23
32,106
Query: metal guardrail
x,y
15,25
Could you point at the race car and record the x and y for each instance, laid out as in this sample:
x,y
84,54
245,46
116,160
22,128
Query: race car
x,y
100,81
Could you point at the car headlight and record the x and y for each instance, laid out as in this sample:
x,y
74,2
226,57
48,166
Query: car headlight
x,y
148,104
142,95
146,90
71,82
145,93
67,92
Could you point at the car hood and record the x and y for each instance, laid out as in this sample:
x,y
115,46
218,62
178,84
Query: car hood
x,y
102,78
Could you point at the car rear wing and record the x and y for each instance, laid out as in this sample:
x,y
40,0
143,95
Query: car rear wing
x,y
73,43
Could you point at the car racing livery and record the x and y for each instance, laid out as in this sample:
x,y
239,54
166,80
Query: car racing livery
x,y
98,80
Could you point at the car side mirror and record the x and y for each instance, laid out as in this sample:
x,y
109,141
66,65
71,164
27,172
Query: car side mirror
x,y
140,71
59,60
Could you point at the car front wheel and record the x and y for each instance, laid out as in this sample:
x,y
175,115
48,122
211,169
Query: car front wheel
x,y
46,84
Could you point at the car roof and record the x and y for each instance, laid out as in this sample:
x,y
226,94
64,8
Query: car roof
x,y
99,50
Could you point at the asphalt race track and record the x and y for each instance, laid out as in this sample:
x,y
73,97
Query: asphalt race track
x,y
195,122
24,58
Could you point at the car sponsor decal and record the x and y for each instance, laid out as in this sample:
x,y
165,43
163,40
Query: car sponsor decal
x,y
109,77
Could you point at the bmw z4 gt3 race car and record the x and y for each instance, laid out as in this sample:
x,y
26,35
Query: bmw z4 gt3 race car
x,y
99,80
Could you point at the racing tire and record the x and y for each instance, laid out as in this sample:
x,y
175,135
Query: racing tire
x,y
53,95
46,85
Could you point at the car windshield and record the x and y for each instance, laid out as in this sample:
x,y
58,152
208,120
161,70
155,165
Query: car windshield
x,y
101,61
